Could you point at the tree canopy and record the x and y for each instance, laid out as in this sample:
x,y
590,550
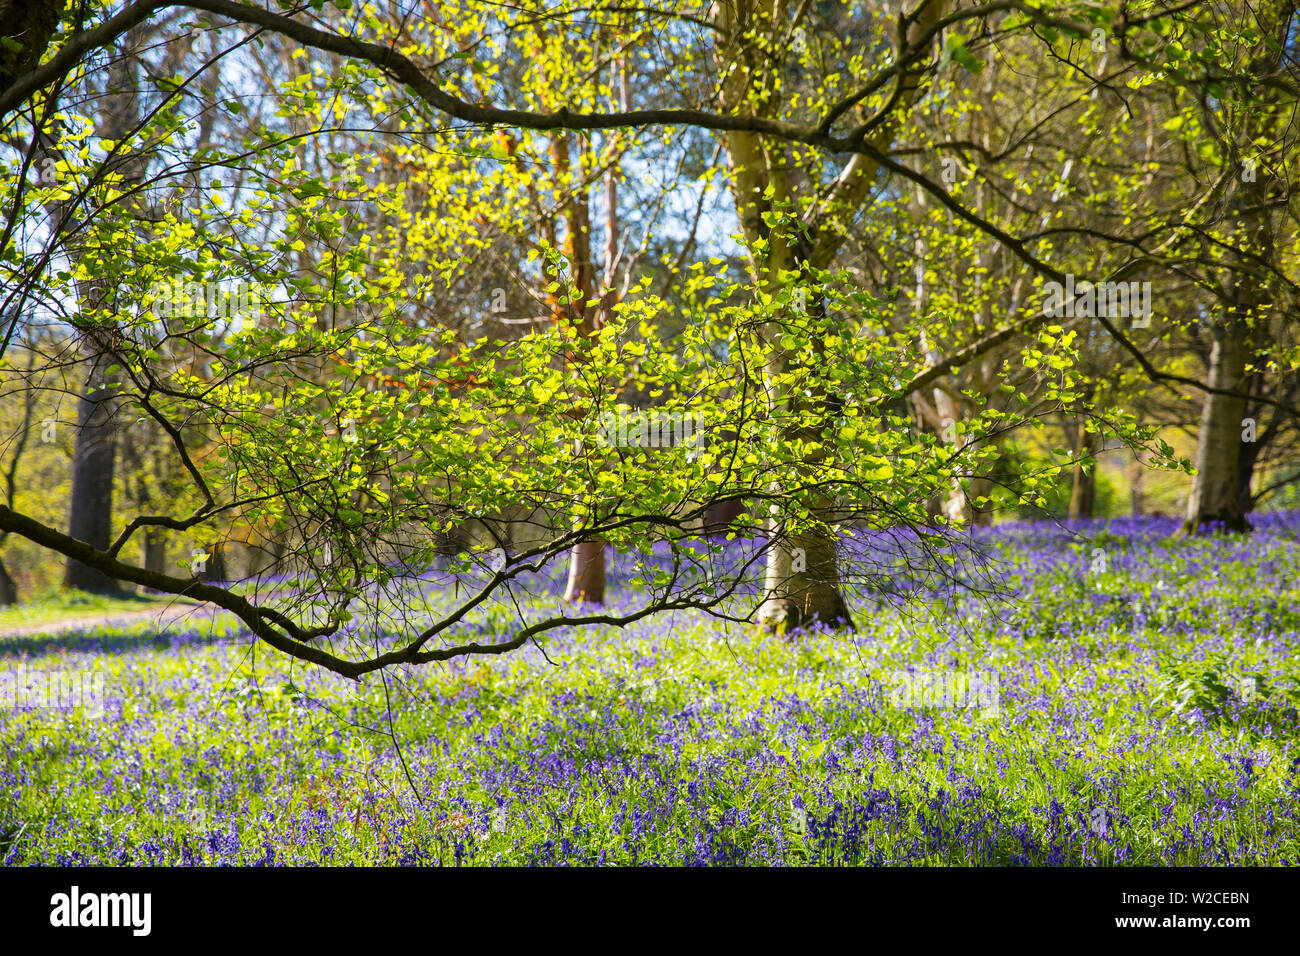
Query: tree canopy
x,y
384,298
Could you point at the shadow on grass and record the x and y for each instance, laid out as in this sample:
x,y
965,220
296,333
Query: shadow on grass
x,y
111,640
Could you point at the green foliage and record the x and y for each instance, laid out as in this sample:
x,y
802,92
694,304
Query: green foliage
x,y
1210,686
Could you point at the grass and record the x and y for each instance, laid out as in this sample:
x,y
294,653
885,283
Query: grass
x,y
60,604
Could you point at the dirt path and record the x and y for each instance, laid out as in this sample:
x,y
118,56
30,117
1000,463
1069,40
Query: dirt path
x,y
161,616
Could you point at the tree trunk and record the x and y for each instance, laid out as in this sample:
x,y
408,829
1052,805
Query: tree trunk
x,y
1137,498
1253,442
934,508
801,581
8,590
27,25
760,184
215,569
1214,496
981,487
718,515
90,512
1248,456
587,561
155,550
1083,494
1252,295
586,573
802,597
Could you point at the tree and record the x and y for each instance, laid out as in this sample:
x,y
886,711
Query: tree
x,y
352,415
90,507
786,236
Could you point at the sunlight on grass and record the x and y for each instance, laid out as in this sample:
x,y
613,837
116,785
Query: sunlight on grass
x,y
62,605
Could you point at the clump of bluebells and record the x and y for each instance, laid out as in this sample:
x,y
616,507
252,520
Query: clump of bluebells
x,y
1146,713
